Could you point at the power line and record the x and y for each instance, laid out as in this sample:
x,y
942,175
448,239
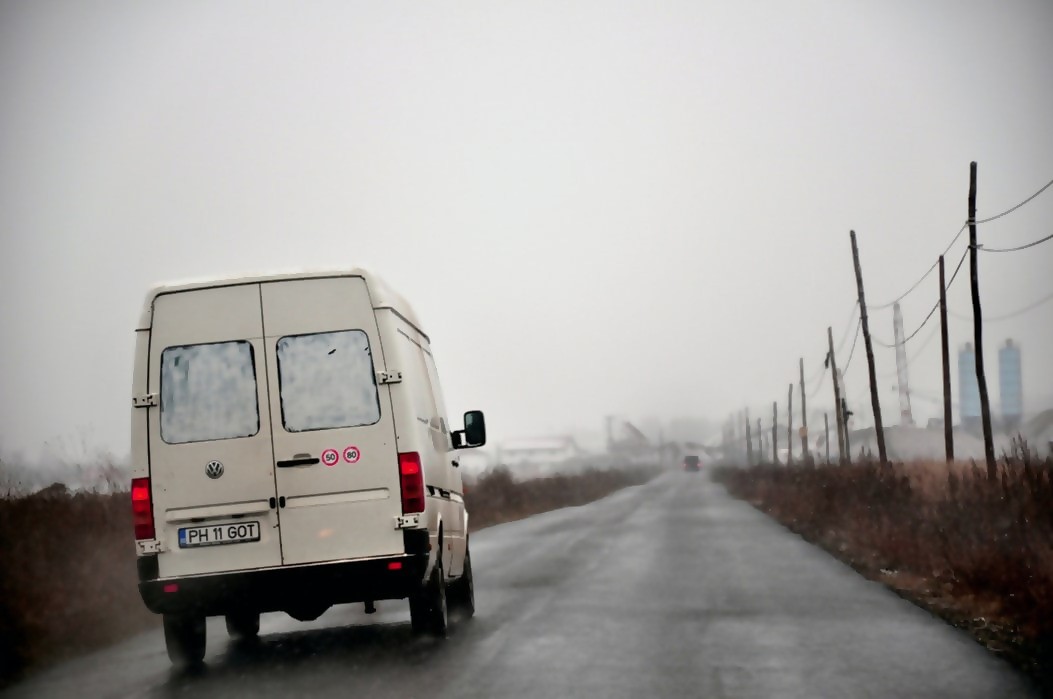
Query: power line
x,y
917,353
923,345
954,240
923,277
907,339
844,339
1007,316
821,373
853,350
1032,244
932,311
1011,210
817,375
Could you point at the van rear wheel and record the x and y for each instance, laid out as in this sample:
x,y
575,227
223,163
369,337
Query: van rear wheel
x,y
185,639
243,625
428,610
418,612
462,591
438,617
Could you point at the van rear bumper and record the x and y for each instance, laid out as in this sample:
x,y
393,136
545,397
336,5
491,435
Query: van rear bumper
x,y
285,589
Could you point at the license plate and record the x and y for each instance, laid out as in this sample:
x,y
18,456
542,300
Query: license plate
x,y
218,534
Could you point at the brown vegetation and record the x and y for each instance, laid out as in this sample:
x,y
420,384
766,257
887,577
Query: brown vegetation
x,y
67,562
67,576
497,497
975,551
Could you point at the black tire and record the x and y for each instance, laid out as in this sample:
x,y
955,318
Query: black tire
x,y
185,639
438,614
462,590
428,608
243,625
418,612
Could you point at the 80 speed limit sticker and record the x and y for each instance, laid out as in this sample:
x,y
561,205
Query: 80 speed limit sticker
x,y
352,454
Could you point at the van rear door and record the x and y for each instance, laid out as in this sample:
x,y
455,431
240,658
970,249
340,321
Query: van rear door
x,y
211,461
333,432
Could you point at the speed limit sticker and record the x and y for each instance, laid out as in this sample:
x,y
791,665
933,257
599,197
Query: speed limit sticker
x,y
330,457
352,455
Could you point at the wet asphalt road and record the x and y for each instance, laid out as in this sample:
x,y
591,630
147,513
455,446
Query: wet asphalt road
x,y
671,589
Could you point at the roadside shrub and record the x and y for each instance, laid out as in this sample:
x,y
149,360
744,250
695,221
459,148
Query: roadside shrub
x,y
497,497
982,547
67,576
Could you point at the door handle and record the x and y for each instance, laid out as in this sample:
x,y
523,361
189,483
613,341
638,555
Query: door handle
x,y
298,461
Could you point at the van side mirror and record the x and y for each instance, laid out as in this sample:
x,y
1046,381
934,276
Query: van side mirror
x,y
474,432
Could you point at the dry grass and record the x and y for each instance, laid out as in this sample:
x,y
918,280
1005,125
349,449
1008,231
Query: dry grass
x,y
977,551
67,579
497,497
68,582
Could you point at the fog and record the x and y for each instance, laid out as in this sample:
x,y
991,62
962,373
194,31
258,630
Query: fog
x,y
595,208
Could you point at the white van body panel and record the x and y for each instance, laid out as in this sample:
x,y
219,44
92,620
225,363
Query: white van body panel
x,y
207,351
422,426
217,325
140,448
345,509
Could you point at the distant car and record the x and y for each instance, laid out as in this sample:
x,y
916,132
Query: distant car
x,y
692,463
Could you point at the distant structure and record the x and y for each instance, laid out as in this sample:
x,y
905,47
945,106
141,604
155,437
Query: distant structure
x,y
539,456
905,417
1010,386
968,389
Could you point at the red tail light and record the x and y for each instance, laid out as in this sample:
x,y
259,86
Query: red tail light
x,y
411,477
142,509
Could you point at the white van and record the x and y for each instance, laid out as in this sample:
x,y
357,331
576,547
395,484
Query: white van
x,y
291,451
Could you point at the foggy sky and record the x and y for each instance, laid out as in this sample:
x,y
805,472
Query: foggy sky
x,y
595,207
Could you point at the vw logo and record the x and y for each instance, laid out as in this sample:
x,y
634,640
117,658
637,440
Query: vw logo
x,y
214,469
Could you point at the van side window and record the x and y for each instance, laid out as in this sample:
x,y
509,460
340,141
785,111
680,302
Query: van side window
x,y
327,381
208,392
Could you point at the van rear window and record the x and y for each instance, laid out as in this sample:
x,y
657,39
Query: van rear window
x,y
327,381
208,392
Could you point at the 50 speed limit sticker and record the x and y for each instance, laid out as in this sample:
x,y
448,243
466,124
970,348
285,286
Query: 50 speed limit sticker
x,y
330,457
352,454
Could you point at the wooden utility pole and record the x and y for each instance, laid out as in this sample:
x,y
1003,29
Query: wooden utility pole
x,y
826,424
837,399
749,438
981,378
844,419
774,432
789,427
805,454
948,419
879,430
760,443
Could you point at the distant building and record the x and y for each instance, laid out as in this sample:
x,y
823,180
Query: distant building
x,y
1010,386
539,455
968,389
1039,433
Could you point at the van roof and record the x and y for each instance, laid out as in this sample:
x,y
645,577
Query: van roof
x,y
382,295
